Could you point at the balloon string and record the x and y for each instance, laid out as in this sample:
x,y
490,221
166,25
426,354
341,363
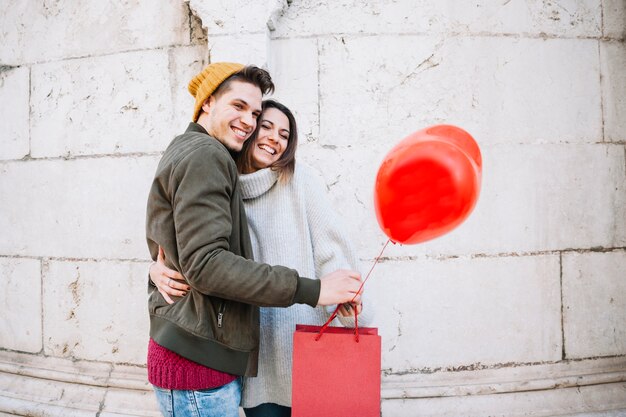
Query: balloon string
x,y
356,320
371,269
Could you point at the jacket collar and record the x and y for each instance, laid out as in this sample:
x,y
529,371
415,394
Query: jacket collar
x,y
195,127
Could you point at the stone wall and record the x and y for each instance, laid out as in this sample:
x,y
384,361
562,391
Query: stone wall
x,y
520,311
91,93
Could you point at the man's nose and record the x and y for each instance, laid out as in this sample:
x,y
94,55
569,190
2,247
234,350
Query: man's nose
x,y
248,119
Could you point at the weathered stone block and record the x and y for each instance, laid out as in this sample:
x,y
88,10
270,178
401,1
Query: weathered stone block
x,y
466,313
594,304
314,17
499,380
613,62
500,89
14,112
75,102
83,208
43,31
293,65
244,48
550,197
606,400
556,18
185,63
20,304
128,402
23,395
614,18
235,16
533,198
96,310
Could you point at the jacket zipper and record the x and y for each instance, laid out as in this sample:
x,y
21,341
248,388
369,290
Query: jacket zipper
x,y
220,314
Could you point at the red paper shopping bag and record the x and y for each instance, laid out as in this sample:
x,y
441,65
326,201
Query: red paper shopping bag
x,y
336,375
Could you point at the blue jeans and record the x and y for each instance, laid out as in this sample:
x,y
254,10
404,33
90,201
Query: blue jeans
x,y
218,402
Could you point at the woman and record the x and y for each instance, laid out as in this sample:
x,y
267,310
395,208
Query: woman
x,y
291,223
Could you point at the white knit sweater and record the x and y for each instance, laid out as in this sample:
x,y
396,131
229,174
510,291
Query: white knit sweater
x,y
291,224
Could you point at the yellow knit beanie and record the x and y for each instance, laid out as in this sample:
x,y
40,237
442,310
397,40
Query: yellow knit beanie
x,y
205,83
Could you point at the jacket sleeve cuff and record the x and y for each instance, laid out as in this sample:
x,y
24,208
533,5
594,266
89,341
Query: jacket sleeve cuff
x,y
308,291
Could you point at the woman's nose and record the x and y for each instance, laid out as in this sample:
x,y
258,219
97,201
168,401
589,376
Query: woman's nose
x,y
272,136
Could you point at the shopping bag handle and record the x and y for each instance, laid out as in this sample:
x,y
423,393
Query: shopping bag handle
x,y
332,317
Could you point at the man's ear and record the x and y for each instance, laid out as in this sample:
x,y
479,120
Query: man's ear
x,y
208,103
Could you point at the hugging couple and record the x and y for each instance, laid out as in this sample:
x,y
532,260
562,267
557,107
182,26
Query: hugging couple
x,y
246,246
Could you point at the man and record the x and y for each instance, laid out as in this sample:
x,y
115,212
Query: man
x,y
209,337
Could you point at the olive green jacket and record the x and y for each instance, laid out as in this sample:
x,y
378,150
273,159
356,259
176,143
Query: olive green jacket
x,y
196,214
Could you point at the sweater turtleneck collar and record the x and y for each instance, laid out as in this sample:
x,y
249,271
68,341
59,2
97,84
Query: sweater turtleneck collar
x,y
258,183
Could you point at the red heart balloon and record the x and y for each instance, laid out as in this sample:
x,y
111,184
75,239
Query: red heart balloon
x,y
428,184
